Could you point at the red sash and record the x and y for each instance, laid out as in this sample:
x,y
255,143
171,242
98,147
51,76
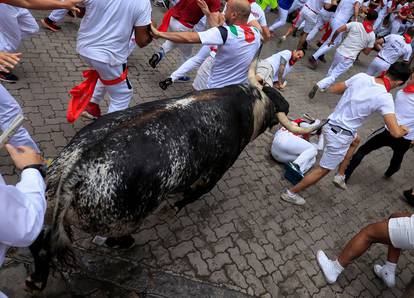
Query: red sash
x,y
82,93
291,60
166,21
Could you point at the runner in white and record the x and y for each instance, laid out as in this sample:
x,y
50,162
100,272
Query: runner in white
x,y
404,13
383,9
104,43
237,44
297,149
15,24
393,48
309,16
345,10
362,96
273,70
256,19
361,37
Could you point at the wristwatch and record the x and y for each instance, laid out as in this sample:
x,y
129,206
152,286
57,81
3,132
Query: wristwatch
x,y
40,167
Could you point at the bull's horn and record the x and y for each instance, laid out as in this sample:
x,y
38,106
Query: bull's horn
x,y
252,70
285,122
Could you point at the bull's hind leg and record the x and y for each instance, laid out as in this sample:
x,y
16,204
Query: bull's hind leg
x,y
203,185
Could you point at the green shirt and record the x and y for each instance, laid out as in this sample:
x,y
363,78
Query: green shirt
x,y
265,3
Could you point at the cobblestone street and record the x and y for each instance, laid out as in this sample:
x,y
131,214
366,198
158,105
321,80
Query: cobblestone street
x,y
239,240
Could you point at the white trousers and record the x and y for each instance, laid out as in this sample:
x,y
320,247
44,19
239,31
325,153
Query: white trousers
x,y
192,63
381,15
186,49
203,74
57,15
15,24
297,4
119,95
325,48
323,17
340,65
281,19
308,17
287,147
9,110
377,66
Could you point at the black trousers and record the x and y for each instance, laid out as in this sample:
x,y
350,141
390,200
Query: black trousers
x,y
379,139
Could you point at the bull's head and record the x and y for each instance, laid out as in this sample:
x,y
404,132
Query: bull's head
x,y
281,105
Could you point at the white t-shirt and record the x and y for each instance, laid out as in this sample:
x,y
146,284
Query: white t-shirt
x,y
404,110
107,26
275,59
316,5
356,40
234,55
394,48
362,97
345,10
258,14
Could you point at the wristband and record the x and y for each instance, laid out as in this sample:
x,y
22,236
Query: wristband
x,y
40,167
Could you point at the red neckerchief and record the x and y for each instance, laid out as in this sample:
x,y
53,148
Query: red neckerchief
x,y
386,81
292,61
409,89
368,26
407,38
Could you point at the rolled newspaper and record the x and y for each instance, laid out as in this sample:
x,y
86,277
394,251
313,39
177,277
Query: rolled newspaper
x,y
11,130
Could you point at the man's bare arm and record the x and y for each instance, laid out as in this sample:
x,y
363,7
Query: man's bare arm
x,y
338,88
339,30
357,6
396,130
45,4
281,71
143,35
178,37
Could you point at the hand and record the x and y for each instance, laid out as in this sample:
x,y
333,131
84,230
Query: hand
x,y
405,129
154,32
23,156
203,6
8,61
72,5
330,43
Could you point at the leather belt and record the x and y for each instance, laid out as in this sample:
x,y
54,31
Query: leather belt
x,y
383,59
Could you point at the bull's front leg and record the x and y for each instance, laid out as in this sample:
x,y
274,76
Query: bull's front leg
x,y
203,185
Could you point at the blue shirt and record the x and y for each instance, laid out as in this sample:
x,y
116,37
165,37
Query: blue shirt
x,y
285,4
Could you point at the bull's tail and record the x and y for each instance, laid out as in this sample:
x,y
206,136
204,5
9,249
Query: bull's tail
x,y
53,247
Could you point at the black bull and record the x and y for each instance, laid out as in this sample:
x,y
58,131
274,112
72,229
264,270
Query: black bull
x,y
117,170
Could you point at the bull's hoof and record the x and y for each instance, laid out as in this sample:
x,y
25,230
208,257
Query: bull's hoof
x,y
124,242
33,286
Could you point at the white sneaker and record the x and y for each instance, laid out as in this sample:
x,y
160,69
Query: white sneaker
x,y
282,39
387,277
328,267
293,198
339,181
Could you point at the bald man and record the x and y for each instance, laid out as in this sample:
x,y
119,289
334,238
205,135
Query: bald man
x,y
237,44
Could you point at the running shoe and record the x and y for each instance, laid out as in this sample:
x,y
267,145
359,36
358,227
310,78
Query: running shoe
x,y
49,24
165,84
8,77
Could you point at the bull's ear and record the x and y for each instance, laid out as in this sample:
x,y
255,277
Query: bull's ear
x,y
277,99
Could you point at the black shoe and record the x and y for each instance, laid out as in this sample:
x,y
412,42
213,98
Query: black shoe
x,y
164,84
123,242
305,45
312,93
8,77
409,197
319,44
155,59
313,64
322,58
